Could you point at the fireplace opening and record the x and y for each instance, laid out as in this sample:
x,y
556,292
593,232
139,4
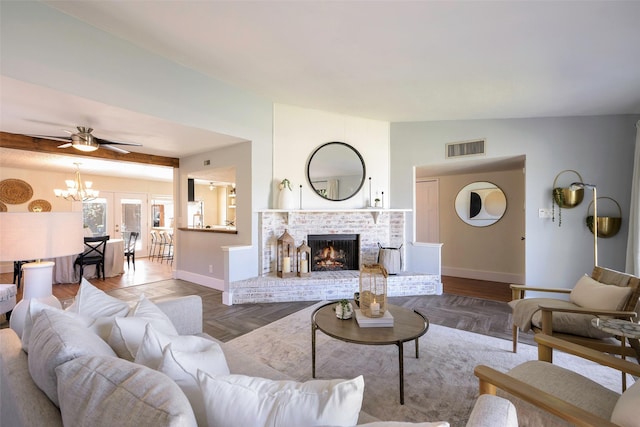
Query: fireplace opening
x,y
334,252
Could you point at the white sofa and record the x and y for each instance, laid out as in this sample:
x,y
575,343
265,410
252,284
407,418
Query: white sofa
x,y
24,404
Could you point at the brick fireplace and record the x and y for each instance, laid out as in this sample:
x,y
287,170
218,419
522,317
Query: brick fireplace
x,y
386,227
334,252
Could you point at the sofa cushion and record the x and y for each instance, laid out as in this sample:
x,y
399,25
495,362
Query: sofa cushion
x,y
625,413
236,400
590,293
183,367
405,424
127,332
55,339
107,391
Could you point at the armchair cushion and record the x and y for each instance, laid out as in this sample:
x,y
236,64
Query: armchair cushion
x,y
625,413
572,323
590,293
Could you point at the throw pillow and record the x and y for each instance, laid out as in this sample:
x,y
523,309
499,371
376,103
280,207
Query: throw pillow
x,y
93,302
404,424
33,309
236,400
592,294
625,413
183,367
107,391
55,339
150,351
127,332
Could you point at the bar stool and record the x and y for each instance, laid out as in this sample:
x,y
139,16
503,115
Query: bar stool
x,y
7,299
154,244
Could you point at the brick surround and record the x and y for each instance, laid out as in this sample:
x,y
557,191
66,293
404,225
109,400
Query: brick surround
x,y
385,226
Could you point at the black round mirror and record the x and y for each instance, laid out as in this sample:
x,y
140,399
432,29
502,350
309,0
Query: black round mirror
x,y
336,171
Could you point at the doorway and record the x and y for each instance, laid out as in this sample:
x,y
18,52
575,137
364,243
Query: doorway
x,y
117,215
493,253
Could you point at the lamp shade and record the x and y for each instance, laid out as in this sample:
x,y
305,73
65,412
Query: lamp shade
x,y
40,235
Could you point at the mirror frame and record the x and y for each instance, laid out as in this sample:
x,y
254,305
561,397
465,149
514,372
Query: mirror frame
x,y
348,147
482,190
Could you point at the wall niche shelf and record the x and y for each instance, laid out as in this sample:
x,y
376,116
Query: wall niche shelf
x,y
289,215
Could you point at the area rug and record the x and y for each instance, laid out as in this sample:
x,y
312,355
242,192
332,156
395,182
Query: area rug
x,y
440,385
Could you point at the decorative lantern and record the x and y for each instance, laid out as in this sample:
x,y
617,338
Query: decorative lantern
x,y
286,255
373,290
304,259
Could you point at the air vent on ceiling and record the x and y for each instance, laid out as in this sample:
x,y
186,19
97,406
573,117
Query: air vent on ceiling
x,y
466,148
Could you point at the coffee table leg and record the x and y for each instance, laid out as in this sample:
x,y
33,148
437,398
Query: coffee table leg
x,y
401,370
313,351
417,349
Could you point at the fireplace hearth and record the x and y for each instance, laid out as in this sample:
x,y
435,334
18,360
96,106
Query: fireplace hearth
x,y
334,252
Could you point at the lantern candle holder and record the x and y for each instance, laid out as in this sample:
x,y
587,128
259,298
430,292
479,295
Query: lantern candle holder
x,y
303,255
286,256
373,290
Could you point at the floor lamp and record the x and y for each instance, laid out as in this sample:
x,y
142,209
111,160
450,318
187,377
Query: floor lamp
x,y
38,236
577,185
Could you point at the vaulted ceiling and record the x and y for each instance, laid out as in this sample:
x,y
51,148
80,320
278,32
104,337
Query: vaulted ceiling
x,y
388,60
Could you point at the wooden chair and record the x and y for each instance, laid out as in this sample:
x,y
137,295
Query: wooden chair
x,y
130,249
94,249
559,392
581,316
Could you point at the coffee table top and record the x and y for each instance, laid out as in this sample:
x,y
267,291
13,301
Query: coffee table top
x,y
407,326
619,327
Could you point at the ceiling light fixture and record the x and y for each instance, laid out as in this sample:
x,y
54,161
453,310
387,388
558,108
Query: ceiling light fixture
x,y
83,140
211,186
77,190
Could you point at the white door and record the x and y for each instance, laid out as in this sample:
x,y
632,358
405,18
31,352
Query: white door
x,y
427,212
130,214
117,214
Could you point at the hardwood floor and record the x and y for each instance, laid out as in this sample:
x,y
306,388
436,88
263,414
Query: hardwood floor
x,y
476,306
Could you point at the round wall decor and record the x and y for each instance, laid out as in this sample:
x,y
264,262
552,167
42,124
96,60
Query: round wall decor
x,y
39,205
15,191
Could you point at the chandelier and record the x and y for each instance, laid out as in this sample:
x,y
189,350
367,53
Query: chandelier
x,y
76,190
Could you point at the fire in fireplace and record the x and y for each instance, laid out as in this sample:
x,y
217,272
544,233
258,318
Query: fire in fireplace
x,y
334,252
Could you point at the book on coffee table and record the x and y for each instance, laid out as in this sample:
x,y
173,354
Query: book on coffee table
x,y
386,321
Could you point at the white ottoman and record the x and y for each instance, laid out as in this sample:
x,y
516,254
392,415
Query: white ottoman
x,y
7,298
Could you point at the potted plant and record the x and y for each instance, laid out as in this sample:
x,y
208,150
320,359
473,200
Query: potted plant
x,y
344,309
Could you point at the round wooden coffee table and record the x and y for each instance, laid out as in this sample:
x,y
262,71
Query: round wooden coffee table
x,y
408,325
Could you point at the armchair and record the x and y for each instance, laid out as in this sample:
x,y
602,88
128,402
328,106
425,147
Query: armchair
x,y
606,293
542,392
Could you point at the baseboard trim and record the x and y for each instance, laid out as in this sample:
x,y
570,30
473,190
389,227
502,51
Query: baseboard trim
x,y
493,276
209,282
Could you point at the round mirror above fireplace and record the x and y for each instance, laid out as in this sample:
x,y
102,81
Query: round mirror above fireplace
x,y
336,171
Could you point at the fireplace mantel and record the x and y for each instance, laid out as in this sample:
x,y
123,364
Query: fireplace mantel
x,y
375,212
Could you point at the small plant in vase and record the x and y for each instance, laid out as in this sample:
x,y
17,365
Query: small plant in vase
x,y
344,309
285,198
376,202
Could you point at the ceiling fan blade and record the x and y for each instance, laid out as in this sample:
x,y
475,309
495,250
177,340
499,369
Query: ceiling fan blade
x,y
107,142
116,149
55,138
67,145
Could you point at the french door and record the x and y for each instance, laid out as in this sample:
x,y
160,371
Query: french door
x,y
118,214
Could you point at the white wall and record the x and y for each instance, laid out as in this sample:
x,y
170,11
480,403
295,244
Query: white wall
x,y
297,132
600,148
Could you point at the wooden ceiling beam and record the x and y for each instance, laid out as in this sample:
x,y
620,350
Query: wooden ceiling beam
x,y
43,145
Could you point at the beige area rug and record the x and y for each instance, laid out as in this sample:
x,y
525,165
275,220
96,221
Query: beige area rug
x,y
440,385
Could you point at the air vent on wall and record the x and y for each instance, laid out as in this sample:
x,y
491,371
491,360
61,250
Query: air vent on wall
x,y
466,148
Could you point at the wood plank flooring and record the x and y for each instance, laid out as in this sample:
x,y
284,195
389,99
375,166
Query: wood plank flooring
x,y
476,306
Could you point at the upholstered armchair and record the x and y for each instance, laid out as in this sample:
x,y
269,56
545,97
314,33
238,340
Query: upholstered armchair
x,y
606,293
545,394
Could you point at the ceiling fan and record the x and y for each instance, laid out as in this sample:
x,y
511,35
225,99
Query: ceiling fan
x,y
83,140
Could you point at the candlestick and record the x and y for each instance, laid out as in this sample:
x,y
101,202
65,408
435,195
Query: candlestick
x,y
304,266
370,201
300,196
286,264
